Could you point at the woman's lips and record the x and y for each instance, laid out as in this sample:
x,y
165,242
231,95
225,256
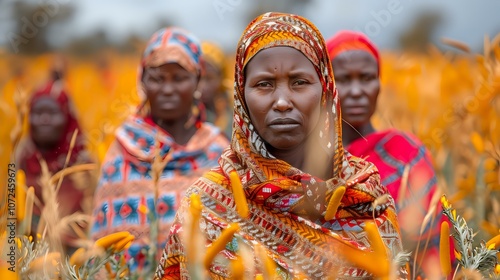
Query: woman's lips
x,y
44,128
167,104
284,124
354,110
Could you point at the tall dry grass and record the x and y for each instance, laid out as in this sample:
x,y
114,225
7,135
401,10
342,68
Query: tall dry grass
x,y
450,100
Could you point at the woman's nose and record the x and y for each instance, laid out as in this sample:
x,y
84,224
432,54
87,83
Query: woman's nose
x,y
355,88
44,118
283,100
167,87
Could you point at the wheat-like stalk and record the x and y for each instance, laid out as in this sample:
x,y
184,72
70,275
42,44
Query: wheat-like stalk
x,y
481,259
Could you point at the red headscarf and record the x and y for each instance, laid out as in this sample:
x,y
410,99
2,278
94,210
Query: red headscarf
x,y
55,158
347,40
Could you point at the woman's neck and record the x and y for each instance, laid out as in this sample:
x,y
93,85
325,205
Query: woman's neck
x,y
350,133
294,157
210,106
313,161
177,129
45,148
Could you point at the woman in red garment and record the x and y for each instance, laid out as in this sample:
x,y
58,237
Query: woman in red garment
x,y
356,64
52,123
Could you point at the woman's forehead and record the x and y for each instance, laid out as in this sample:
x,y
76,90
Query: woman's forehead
x,y
167,67
291,56
355,55
46,101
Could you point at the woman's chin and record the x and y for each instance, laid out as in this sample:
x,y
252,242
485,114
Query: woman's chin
x,y
355,121
283,145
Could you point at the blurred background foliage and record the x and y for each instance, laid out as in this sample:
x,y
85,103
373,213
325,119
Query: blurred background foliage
x,y
447,96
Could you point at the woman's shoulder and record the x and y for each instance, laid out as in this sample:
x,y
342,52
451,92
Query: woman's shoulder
x,y
396,136
24,149
401,144
113,155
213,132
138,135
208,126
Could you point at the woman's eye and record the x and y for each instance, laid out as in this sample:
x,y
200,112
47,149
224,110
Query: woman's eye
x,y
180,78
46,112
341,80
368,77
154,79
300,82
263,84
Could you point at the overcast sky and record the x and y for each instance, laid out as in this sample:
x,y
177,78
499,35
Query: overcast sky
x,y
224,20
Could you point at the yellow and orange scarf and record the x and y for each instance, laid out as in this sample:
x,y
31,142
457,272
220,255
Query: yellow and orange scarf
x,y
277,193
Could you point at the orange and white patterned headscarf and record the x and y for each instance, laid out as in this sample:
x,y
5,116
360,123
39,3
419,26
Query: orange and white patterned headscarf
x,y
273,30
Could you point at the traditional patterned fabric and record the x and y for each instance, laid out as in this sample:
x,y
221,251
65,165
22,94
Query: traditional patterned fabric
x,y
28,156
125,195
173,45
294,235
347,40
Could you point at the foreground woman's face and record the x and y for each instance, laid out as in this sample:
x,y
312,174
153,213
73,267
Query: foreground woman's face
x,y
47,122
357,81
169,89
283,94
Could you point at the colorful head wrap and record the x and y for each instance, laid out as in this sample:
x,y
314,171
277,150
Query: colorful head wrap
x,y
275,30
171,45
213,54
347,40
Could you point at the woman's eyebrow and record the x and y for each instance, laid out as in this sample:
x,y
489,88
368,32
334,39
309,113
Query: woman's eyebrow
x,y
260,75
301,72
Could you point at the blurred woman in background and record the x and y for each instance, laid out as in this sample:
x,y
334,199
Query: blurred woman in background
x,y
404,163
52,124
213,91
160,150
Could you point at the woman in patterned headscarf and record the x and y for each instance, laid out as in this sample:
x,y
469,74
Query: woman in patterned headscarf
x,y
166,140
286,149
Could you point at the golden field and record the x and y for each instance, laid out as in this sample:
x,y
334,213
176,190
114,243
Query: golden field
x,y
450,100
